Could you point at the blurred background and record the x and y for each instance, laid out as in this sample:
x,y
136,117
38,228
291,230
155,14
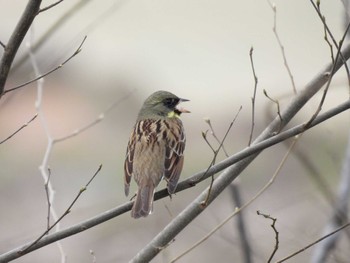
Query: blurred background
x,y
198,50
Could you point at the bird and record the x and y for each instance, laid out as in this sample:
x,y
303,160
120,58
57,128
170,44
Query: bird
x,y
155,149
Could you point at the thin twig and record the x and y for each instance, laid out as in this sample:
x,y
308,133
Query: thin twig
x,y
99,118
273,225
254,95
47,191
76,52
240,209
212,132
20,128
313,243
2,44
205,137
274,29
50,6
278,108
327,40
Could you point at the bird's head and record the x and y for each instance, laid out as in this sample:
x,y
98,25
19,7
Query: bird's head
x,y
162,104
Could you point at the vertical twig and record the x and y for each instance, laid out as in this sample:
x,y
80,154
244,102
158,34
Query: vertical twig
x,y
274,29
254,95
47,191
43,167
273,226
278,108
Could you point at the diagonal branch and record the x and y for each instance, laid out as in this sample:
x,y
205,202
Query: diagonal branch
x,y
19,129
76,52
16,39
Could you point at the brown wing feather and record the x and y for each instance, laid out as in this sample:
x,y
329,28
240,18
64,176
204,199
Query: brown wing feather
x,y
128,164
174,158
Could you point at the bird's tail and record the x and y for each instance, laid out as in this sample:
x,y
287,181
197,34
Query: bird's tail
x,y
143,204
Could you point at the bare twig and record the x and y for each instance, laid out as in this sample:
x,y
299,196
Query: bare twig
x,y
19,129
76,52
273,225
327,40
278,108
68,210
274,29
47,191
99,118
212,132
313,243
50,6
205,137
2,44
254,95
16,39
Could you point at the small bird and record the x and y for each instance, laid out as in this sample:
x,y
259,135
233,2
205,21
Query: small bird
x,y
155,149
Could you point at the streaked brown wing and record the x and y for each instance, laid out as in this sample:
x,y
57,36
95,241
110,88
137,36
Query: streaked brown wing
x,y
129,161
174,158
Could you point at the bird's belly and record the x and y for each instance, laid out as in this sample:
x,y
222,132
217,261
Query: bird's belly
x,y
149,164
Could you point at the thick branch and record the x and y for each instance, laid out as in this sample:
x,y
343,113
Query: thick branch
x,y
16,39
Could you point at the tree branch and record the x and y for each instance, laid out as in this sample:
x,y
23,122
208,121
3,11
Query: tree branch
x,y
16,39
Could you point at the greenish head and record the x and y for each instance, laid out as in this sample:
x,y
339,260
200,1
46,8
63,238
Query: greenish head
x,y
161,104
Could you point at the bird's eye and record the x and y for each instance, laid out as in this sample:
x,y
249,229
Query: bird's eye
x,y
171,102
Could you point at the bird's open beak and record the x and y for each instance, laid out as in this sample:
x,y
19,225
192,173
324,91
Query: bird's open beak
x,y
180,109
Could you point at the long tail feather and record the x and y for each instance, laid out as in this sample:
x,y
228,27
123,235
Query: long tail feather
x,y
143,204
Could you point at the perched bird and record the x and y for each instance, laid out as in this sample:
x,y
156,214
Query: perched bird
x,y
155,149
